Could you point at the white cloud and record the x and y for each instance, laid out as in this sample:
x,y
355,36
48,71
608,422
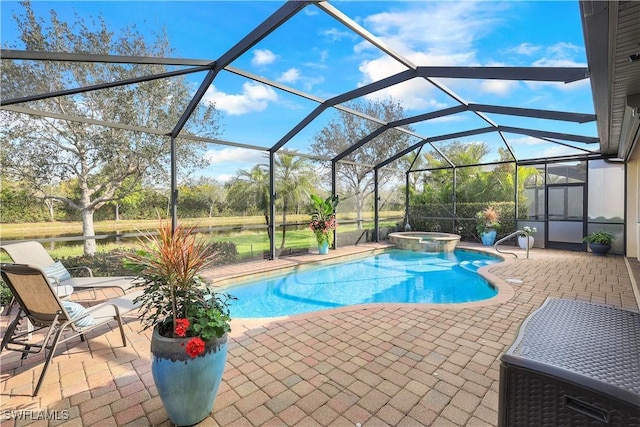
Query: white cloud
x,y
336,35
498,87
254,97
435,28
233,155
453,32
292,75
414,94
263,57
527,49
311,11
560,55
528,147
224,178
525,140
580,85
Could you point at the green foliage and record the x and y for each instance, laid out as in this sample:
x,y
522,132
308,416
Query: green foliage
x,y
98,163
210,317
227,253
600,237
5,294
323,209
487,219
248,191
323,218
439,217
167,266
19,204
101,264
345,129
431,209
294,180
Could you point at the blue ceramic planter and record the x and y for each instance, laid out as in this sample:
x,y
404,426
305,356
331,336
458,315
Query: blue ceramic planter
x,y
187,387
488,237
599,249
323,247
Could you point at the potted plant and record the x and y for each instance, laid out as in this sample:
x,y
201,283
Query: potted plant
x,y
599,242
525,239
323,221
487,225
190,321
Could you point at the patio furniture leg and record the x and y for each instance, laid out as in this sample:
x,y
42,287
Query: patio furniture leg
x,y
48,359
10,330
119,319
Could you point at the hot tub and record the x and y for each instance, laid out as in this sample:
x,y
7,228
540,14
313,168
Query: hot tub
x,y
425,241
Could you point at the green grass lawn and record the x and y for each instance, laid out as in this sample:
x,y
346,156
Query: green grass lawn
x,y
249,243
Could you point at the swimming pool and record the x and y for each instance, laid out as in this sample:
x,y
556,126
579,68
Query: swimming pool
x,y
395,276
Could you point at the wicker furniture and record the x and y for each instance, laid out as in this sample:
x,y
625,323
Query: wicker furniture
x,y
573,363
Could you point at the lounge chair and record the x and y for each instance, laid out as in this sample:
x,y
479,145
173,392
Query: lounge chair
x,y
33,253
41,308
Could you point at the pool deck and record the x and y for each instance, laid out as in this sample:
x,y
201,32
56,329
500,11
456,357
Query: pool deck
x,y
375,365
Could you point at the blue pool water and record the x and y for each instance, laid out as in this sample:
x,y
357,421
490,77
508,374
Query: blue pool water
x,y
394,277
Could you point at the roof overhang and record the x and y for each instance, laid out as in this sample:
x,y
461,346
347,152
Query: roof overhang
x,y
612,40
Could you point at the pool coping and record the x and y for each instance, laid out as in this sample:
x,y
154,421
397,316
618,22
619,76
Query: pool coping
x,y
505,291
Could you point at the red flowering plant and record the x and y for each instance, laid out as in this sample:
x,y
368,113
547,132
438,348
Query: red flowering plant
x,y
323,218
175,299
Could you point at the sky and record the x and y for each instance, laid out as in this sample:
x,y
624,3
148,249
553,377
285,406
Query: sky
x,y
316,54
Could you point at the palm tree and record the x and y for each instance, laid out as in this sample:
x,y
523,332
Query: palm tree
x,y
294,181
250,190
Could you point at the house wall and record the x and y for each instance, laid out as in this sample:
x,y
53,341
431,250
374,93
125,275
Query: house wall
x,y
633,205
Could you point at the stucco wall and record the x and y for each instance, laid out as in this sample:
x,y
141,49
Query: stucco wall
x,y
633,205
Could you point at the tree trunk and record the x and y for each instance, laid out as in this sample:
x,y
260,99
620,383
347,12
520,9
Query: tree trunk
x,y
49,204
117,211
266,220
284,221
88,230
359,207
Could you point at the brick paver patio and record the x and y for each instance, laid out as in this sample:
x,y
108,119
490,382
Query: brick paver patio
x,y
375,365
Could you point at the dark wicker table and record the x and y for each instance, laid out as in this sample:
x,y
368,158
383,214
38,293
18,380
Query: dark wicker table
x,y
573,363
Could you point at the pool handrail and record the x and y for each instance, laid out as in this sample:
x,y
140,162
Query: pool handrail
x,y
517,232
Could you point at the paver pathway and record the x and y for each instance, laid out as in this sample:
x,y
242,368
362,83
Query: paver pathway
x,y
382,365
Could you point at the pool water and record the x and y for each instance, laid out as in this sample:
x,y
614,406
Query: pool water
x,y
394,276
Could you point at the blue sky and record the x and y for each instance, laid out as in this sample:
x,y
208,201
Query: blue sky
x,y
316,54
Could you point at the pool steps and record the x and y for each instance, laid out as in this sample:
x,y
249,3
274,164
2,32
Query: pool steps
x,y
473,266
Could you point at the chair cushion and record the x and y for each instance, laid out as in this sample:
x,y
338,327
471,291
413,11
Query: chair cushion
x,y
75,310
57,271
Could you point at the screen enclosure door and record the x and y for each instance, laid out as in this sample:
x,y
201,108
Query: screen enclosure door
x,y
566,216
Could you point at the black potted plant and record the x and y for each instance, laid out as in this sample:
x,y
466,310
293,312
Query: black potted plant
x,y
599,242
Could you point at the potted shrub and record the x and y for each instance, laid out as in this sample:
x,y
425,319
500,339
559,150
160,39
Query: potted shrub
x,y
190,321
599,242
323,221
526,240
487,225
